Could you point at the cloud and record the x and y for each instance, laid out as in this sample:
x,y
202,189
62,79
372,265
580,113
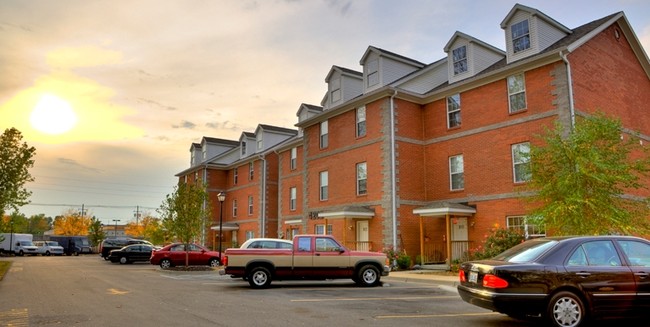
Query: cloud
x,y
185,124
71,163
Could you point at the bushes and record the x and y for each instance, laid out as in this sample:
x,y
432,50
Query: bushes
x,y
398,259
499,240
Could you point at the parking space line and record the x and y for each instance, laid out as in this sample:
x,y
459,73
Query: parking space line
x,y
14,318
438,315
406,298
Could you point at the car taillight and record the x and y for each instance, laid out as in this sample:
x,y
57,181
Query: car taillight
x,y
225,261
492,281
461,276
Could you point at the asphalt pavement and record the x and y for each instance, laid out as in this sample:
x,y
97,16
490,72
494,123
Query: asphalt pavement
x,y
432,276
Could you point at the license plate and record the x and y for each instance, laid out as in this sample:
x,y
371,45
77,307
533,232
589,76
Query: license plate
x,y
473,277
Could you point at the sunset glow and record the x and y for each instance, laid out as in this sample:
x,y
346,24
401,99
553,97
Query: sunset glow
x,y
53,115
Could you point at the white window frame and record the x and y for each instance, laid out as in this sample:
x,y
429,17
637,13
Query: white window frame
x,y
294,158
519,33
251,171
362,178
456,169
521,224
324,134
260,142
250,205
459,57
293,193
335,95
250,234
319,229
235,176
323,185
453,110
361,121
243,148
516,89
372,75
234,207
521,160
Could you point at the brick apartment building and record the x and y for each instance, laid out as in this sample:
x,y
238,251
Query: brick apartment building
x,y
425,157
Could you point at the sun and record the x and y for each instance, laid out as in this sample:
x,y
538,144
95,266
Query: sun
x,y
53,115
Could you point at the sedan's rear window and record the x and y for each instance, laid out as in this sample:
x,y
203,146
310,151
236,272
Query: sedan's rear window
x,y
526,252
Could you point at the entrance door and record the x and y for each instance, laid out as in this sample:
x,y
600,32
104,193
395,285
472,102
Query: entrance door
x,y
362,236
459,238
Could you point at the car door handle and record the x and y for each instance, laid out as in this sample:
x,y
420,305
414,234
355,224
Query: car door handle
x,y
641,275
317,254
583,274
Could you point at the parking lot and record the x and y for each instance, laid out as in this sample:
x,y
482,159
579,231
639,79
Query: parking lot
x,y
88,291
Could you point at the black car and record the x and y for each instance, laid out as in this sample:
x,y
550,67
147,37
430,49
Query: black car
x,y
131,253
110,244
567,280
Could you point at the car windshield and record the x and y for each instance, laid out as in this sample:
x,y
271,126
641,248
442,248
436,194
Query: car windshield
x,y
52,243
526,252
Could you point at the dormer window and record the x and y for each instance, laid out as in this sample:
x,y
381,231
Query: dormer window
x,y
373,73
204,153
459,56
243,148
260,142
336,90
520,36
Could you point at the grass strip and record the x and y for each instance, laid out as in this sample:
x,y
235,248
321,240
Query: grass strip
x,y
4,267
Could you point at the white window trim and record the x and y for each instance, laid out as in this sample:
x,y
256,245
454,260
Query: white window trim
x,y
234,207
515,148
324,134
292,198
251,171
323,184
235,176
460,60
250,205
452,173
361,121
294,158
453,111
523,77
359,179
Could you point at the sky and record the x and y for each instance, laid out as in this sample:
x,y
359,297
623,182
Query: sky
x,y
113,93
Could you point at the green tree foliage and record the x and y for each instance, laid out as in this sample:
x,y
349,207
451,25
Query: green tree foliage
x,y
499,240
184,212
15,162
96,232
582,179
36,225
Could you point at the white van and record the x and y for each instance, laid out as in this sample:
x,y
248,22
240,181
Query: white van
x,y
48,248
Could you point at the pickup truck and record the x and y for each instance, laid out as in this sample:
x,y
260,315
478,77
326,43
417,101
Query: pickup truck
x,y
312,257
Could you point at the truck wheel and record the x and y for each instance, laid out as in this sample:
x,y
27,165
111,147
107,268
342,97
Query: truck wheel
x,y
21,253
105,258
124,260
259,277
368,275
75,253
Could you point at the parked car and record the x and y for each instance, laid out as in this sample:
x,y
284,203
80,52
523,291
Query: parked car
x,y
267,243
107,245
567,280
48,248
174,255
131,253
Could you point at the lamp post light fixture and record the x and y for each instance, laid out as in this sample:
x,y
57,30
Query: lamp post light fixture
x,y
222,197
115,230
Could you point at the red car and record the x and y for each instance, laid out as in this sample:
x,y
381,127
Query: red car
x,y
175,254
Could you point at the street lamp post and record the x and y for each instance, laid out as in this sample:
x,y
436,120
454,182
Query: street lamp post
x,y
222,197
11,235
115,230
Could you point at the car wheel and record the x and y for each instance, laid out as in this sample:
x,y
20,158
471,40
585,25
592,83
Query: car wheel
x,y
259,277
368,275
566,310
75,253
47,253
124,260
105,258
214,262
165,263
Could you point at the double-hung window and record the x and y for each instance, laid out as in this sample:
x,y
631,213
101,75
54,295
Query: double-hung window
x,y
323,185
294,158
251,171
520,36
459,56
234,208
324,140
521,162
456,173
320,229
235,176
362,179
361,121
517,92
523,226
250,205
372,73
453,111
292,199
336,90
243,148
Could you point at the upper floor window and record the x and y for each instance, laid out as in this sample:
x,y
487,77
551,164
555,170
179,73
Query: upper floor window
x,y
459,55
250,234
260,142
250,205
516,92
243,148
192,158
336,90
324,140
235,176
204,153
521,162
520,36
251,171
292,198
362,179
323,185
453,111
361,121
456,172
372,72
294,158
234,208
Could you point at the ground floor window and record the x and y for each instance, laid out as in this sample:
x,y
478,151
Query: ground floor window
x,y
320,229
521,224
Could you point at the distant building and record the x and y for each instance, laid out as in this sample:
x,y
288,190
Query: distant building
x,y
425,157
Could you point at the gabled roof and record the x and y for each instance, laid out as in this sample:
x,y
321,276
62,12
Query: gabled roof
x,y
391,55
471,39
533,12
214,140
343,71
277,129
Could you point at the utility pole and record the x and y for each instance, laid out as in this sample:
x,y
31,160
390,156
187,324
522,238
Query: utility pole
x,y
137,215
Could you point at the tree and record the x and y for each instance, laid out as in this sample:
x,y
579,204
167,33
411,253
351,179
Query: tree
x,y
96,232
582,179
148,228
184,213
71,223
15,162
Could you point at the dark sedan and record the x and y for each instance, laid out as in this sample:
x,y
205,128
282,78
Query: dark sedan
x,y
131,253
567,280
